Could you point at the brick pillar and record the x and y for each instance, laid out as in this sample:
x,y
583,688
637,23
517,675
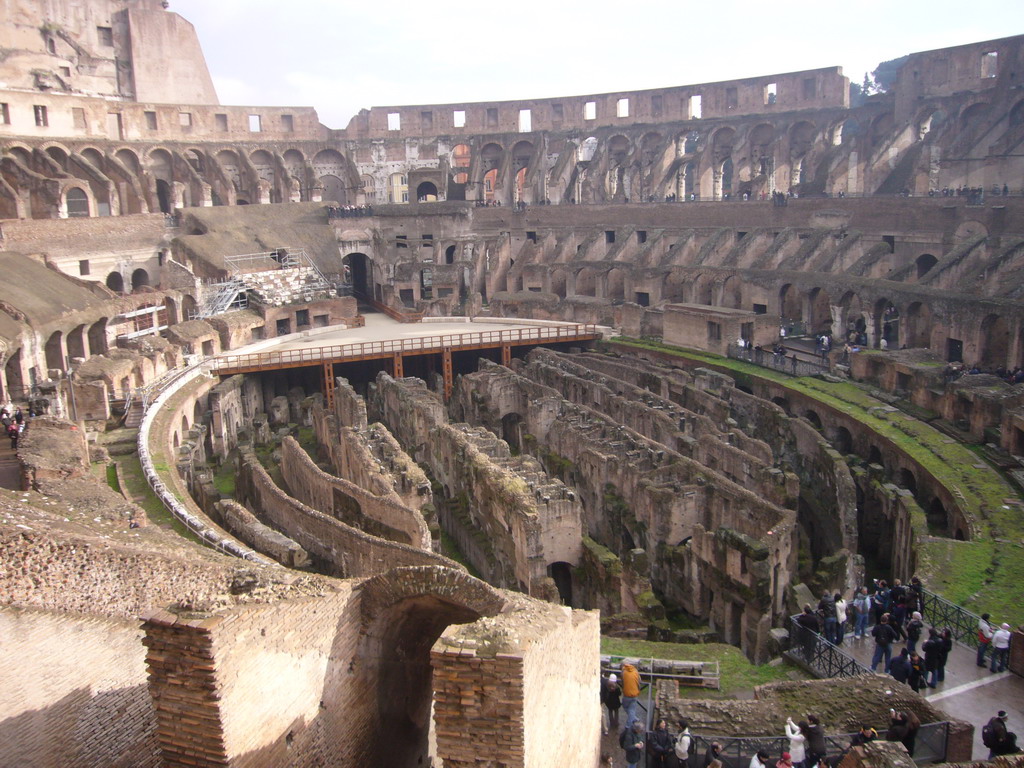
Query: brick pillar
x,y
183,686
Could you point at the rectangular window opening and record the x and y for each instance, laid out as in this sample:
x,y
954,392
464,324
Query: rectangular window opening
x,y
531,236
990,64
732,98
65,71
622,108
5,114
426,121
255,124
78,118
557,113
39,111
492,117
771,93
525,121
150,118
641,236
459,118
657,105
609,235
590,110
394,121
301,318
105,36
83,267
696,108
288,123
221,122
185,119
714,331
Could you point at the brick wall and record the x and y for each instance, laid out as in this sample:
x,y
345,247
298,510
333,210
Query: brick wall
x,y
74,692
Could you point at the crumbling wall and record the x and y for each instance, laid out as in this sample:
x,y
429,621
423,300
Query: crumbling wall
x,y
242,523
339,549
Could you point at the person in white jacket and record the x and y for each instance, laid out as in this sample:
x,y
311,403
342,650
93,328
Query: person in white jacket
x,y
840,619
797,741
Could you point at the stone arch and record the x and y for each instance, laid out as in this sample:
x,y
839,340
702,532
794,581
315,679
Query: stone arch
x,y
196,159
189,308
615,284
76,342
98,337
129,159
974,115
853,313
994,342
449,254
881,127
184,424
587,149
842,440
929,120
619,148
783,403
732,292
58,154
846,132
164,196
703,289
461,156
887,323
263,162
160,164
23,154
140,279
938,518
801,138
115,282
228,161
426,192
761,156
329,162
171,309
561,573
559,277
359,267
294,162
197,412
924,263
813,417
790,303
652,145
332,188
403,612
76,202
490,184
93,155
55,351
586,282
918,325
820,320
907,479
491,155
522,154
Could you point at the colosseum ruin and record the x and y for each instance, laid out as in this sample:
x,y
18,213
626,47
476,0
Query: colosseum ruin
x,y
343,444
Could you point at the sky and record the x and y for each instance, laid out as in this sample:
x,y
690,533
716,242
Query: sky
x,y
340,56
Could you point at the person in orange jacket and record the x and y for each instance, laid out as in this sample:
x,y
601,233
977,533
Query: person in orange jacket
x,y
630,691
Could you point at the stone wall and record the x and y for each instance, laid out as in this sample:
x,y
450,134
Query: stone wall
x,y
74,691
242,523
382,516
339,549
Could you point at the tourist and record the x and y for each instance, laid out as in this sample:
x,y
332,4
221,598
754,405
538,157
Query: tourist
x,y
760,760
903,728
827,610
713,755
947,646
786,761
932,651
797,734
997,738
630,691
881,600
660,747
632,742
865,735
1000,648
985,632
885,635
815,741
914,629
685,747
611,698
918,673
900,666
861,611
840,631
809,629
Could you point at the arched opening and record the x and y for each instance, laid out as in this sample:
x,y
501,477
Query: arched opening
x,y
426,192
197,413
512,431
853,311
490,184
332,189
843,441
184,425
994,342
398,188
358,265
115,282
938,518
98,337
732,293
814,418
189,308
449,254
77,203
790,305
924,263
875,456
55,351
908,480
887,324
820,321
13,375
171,311
76,342
783,404
394,666
561,574
140,278
164,196
587,150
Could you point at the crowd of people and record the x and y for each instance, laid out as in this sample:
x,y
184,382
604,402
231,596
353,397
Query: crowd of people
x,y
805,745
954,371
14,422
348,211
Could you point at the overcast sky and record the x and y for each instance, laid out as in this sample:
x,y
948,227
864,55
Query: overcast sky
x,y
340,56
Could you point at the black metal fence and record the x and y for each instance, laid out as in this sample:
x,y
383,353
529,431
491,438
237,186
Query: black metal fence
x,y
779,362
939,612
930,746
821,657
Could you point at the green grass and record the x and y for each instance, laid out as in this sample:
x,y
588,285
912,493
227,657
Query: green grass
x,y
224,479
451,550
112,480
986,574
738,675
137,489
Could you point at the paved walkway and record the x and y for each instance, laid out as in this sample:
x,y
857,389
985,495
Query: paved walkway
x,y
970,692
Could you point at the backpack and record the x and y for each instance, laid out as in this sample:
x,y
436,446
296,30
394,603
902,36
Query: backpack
x,y
685,746
988,736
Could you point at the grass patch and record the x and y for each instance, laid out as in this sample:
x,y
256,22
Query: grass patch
x,y
986,574
451,550
738,675
224,479
112,480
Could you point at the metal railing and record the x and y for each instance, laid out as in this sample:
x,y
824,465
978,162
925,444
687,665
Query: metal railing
x,y
939,612
822,658
291,358
784,363
929,747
